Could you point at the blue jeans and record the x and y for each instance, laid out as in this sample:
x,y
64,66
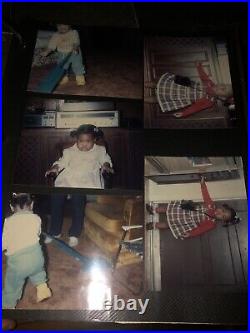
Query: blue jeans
x,y
74,61
77,202
26,263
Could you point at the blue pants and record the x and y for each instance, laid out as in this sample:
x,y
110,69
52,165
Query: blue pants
x,y
77,211
74,62
27,263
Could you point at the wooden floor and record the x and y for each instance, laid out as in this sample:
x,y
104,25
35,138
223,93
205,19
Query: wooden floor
x,y
107,76
215,117
74,287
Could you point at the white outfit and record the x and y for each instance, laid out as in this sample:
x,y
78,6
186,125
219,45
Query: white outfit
x,y
82,168
20,230
65,42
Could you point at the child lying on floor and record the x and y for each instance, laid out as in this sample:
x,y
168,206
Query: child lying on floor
x,y
21,234
187,219
178,93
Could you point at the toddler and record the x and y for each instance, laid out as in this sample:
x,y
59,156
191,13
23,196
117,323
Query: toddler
x,y
82,164
66,41
177,93
20,240
187,219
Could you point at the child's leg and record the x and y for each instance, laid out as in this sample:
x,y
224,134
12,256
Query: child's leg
x,y
13,287
38,277
57,203
157,225
77,65
78,68
161,209
151,210
77,206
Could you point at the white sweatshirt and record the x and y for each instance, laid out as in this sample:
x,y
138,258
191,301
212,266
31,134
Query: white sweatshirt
x,y
82,168
64,42
20,230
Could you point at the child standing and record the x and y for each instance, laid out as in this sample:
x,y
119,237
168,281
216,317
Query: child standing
x,y
20,240
66,41
81,165
187,219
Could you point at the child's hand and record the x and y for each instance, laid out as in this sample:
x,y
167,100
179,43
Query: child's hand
x,y
75,49
185,235
106,167
202,180
178,114
45,53
54,169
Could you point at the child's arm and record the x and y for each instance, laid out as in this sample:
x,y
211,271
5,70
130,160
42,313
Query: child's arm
x,y
75,41
39,225
208,83
60,164
52,45
205,226
106,162
5,236
199,105
205,194
106,167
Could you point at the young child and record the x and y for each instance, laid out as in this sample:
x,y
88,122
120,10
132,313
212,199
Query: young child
x,y
81,165
20,240
66,41
177,93
187,219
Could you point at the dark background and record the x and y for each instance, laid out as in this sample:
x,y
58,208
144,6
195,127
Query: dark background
x,y
150,18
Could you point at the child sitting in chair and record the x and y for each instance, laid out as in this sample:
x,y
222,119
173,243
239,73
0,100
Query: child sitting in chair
x,y
66,41
82,164
20,240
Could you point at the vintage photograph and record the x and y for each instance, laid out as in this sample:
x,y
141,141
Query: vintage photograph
x,y
72,252
83,144
88,61
197,234
187,83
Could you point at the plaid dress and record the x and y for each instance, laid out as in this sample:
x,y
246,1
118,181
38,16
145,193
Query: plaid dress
x,y
182,221
172,96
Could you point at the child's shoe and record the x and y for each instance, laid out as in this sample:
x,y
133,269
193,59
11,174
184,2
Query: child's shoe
x,y
73,241
80,80
49,239
150,209
43,292
64,80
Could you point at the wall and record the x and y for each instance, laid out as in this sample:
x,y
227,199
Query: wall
x,y
220,190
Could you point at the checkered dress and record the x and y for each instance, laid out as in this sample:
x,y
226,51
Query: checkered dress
x,y
172,96
182,221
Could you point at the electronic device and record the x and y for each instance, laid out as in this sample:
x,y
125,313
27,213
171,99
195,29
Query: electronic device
x,y
97,118
46,119
71,106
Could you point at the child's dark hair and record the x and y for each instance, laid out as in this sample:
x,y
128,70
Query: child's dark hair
x,y
182,80
21,200
234,219
188,205
87,129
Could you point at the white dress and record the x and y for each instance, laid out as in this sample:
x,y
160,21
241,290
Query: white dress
x,y
82,168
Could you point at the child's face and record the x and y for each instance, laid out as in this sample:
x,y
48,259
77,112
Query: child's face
x,y
85,142
222,214
63,28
